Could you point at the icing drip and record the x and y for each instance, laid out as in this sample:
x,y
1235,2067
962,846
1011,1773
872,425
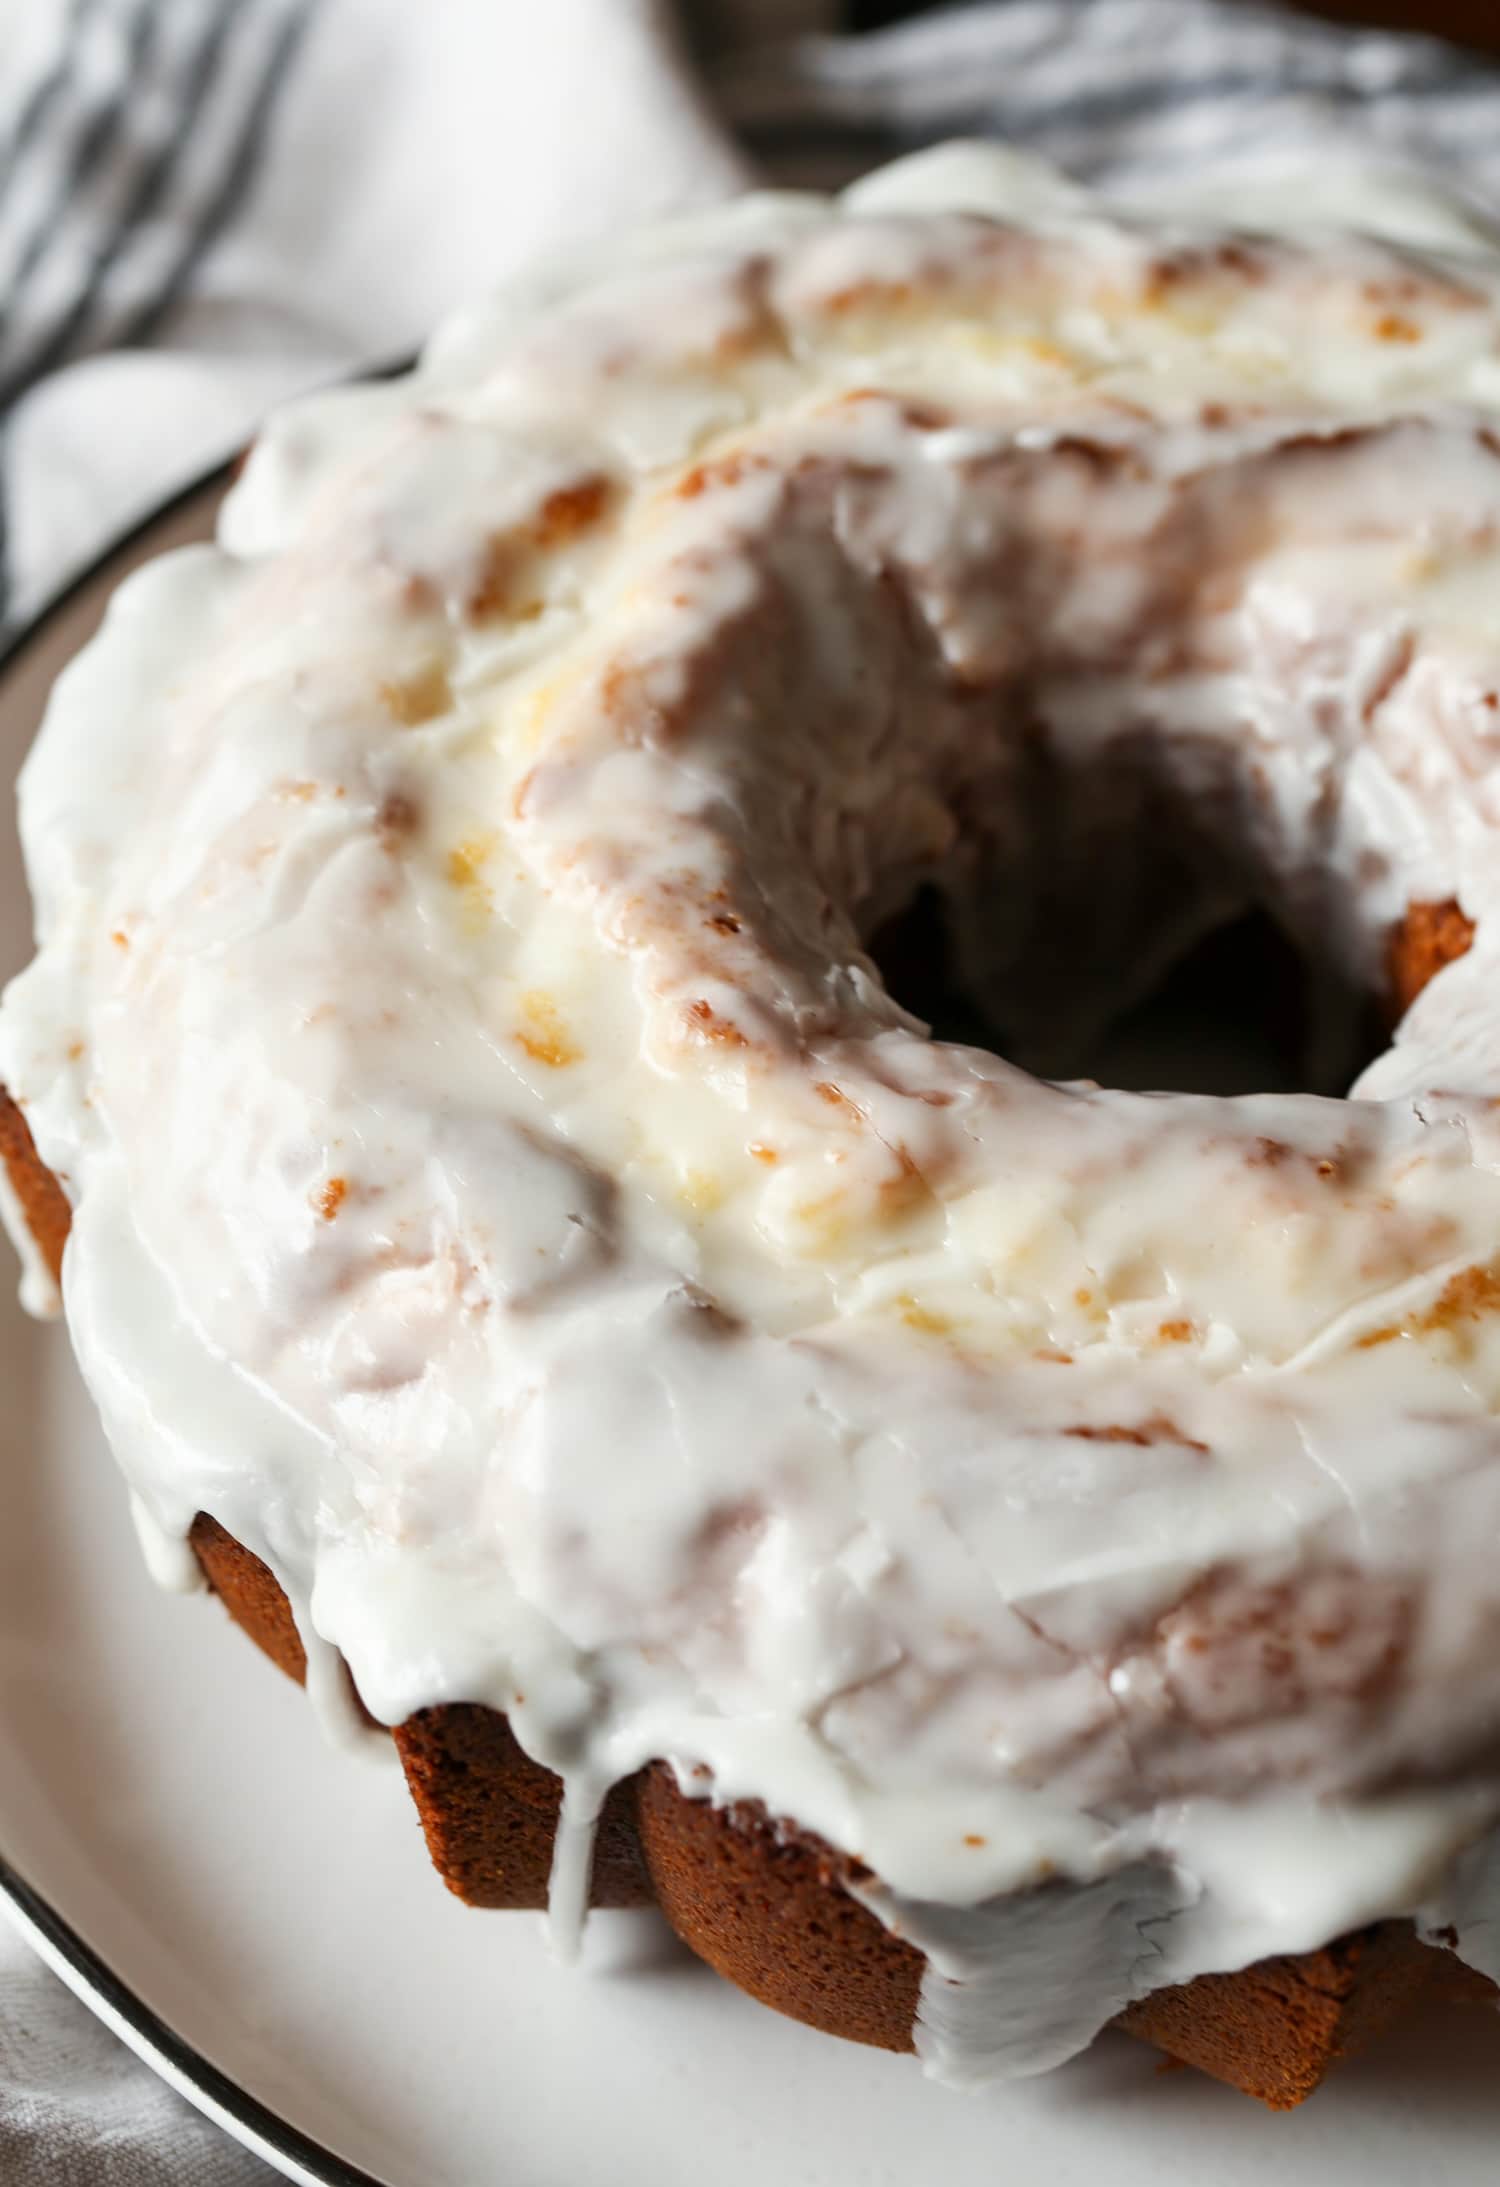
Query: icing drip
x,y
168,1556
510,1203
38,1288
1468,1907
332,1694
572,1865
1019,1984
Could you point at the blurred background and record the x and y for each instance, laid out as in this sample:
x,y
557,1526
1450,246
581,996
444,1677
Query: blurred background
x,y
1472,22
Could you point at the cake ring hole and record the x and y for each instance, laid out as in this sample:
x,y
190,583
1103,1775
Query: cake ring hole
x,y
1100,724
1242,1010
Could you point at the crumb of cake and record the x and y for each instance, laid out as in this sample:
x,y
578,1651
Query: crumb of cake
x,y
869,296
465,871
543,1035
825,1221
701,1191
1464,1301
1469,1295
1156,1428
706,1022
923,1319
570,511
331,1197
723,471
418,698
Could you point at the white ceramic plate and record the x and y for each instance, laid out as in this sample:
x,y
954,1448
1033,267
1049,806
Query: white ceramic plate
x,y
254,1913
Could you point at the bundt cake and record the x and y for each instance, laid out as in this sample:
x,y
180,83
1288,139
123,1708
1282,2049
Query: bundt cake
x,y
989,1555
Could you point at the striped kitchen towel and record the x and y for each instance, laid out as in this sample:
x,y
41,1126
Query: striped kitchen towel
x,y
206,204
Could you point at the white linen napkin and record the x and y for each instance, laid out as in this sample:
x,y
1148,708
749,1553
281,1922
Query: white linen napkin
x,y
205,204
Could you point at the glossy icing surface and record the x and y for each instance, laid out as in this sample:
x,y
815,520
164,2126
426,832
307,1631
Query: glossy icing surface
x,y
508,1200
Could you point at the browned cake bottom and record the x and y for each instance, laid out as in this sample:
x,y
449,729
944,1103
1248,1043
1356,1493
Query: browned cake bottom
x,y
763,1902
760,1900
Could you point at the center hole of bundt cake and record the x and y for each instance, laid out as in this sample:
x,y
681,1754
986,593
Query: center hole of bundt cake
x,y
1242,1010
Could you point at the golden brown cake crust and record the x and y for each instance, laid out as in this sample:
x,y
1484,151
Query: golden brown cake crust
x,y
1430,936
251,1595
765,1906
1275,2029
763,1902
489,1813
42,1200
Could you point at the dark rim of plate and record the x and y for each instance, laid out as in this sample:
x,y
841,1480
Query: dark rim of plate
x,y
93,572
159,2044
135,535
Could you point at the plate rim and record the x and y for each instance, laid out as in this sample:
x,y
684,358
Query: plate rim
x,y
244,2117
221,474
253,2124
25,635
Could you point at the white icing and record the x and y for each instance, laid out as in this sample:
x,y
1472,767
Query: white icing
x,y
1018,1984
331,1691
167,1556
508,1201
572,1864
1467,1907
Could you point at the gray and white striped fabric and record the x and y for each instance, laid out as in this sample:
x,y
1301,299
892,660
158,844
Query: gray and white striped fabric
x,y
1122,90
127,152
205,204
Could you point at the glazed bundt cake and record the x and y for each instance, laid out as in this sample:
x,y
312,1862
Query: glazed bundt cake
x,y
990,1556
